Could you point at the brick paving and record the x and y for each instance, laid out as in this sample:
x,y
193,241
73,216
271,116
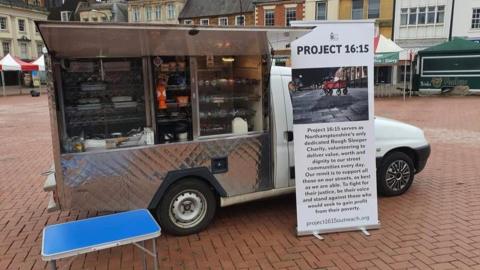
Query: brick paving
x,y
436,225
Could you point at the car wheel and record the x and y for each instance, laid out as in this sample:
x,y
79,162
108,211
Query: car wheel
x,y
187,207
395,176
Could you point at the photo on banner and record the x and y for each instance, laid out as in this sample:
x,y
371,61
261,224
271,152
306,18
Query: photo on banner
x,y
347,88
334,140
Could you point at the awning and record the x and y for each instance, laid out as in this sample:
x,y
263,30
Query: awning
x,y
40,62
386,51
11,63
84,40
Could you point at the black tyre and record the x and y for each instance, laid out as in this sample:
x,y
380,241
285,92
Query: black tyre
x,y
395,175
187,207
339,92
345,91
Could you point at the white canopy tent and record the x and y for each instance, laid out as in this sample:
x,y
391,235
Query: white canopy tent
x,y
40,62
388,52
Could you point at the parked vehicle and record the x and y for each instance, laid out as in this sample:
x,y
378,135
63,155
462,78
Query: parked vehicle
x,y
329,85
181,129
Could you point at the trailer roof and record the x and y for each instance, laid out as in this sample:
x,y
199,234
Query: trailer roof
x,y
85,40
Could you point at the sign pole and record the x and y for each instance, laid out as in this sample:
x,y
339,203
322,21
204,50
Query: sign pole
x,y
404,78
3,84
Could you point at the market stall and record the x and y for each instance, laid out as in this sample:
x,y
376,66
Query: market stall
x,y
11,63
449,65
387,55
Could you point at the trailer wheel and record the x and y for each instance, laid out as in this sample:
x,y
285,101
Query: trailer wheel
x,y
345,91
187,207
339,92
395,176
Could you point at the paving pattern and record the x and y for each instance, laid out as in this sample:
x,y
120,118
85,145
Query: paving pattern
x,y
313,106
436,225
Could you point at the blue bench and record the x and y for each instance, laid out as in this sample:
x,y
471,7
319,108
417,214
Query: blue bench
x,y
97,233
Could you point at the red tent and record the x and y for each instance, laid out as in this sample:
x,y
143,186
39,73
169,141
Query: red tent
x,y
12,63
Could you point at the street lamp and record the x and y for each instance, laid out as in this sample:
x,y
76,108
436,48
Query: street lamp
x,y
104,13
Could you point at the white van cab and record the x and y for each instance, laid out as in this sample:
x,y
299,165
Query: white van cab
x,y
401,149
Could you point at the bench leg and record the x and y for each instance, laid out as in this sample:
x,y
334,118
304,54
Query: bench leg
x,y
155,258
53,265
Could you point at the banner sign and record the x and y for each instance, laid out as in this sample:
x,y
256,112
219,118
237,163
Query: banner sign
x,y
334,143
390,58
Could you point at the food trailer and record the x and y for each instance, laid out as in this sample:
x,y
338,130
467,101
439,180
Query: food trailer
x,y
176,119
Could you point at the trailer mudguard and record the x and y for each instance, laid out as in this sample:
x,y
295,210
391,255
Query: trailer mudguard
x,y
201,173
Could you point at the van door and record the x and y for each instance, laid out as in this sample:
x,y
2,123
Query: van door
x,y
289,117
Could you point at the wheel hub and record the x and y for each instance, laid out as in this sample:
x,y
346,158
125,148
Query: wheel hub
x,y
188,208
398,175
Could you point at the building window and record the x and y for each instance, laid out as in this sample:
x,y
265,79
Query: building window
x,y
290,15
240,20
3,23
94,19
23,50
412,17
171,11
373,9
440,14
269,17
430,14
223,21
39,49
403,16
321,10
158,12
104,19
65,16
357,9
187,22
476,18
6,47
21,25
204,21
148,13
85,19
422,15
136,14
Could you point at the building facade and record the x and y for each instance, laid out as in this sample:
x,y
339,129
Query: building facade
x,y
466,20
18,33
379,10
102,11
321,10
420,24
278,13
155,11
218,12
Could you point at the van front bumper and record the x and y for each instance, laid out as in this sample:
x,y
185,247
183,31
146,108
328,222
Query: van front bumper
x,y
422,154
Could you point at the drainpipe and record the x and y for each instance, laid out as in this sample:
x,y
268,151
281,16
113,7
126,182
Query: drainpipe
x,y
451,21
393,19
